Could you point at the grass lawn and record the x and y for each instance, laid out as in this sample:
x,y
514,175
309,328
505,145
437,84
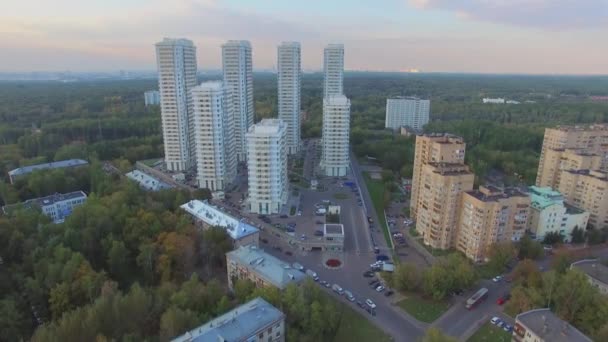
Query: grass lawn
x,y
376,192
424,310
355,327
341,196
490,333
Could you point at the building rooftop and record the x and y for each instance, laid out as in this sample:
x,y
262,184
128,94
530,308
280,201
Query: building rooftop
x,y
244,43
592,127
594,269
209,85
235,325
146,181
337,100
549,327
572,210
213,216
543,197
335,46
267,127
450,169
448,138
53,165
289,44
333,229
274,270
175,41
491,193
396,98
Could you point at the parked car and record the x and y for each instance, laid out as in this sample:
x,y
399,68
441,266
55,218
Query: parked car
x,y
503,299
382,257
319,233
337,289
283,216
495,320
313,275
360,304
298,266
349,295
376,250
373,282
388,293
322,282
319,222
370,303
507,328
497,278
380,288
368,274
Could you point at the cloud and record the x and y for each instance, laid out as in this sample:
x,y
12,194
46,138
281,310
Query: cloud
x,y
545,14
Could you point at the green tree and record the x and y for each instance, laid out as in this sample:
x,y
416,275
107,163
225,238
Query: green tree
x,y
578,235
406,277
13,322
119,260
529,249
500,253
552,238
175,322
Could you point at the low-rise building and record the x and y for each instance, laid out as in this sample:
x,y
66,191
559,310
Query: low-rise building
x,y
254,321
25,170
58,206
207,215
497,100
146,181
542,325
333,236
596,272
252,263
549,213
490,215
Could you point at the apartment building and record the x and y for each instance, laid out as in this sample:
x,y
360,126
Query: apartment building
x,y
238,79
23,171
597,273
57,206
151,98
289,79
176,63
542,325
591,139
441,187
335,156
550,214
333,70
267,166
557,160
213,128
587,190
490,215
436,148
252,263
407,111
254,321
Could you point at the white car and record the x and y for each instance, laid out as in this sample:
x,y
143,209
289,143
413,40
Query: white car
x,y
370,303
380,288
495,320
497,279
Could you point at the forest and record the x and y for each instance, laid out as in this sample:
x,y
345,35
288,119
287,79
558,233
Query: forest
x,y
130,265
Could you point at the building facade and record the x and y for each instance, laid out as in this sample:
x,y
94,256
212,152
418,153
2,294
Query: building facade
x,y
238,79
176,63
267,166
333,70
433,148
335,156
214,136
206,215
57,207
289,79
254,321
587,190
263,269
549,213
557,160
151,98
591,139
146,181
490,215
542,325
441,188
407,111
597,273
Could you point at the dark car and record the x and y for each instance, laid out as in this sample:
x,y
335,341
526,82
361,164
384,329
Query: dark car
x,y
388,293
289,253
373,281
319,222
376,250
361,305
283,216
368,274
319,233
382,257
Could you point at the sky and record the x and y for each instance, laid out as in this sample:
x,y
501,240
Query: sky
x,y
480,36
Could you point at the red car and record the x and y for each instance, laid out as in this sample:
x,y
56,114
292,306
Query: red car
x,y
503,299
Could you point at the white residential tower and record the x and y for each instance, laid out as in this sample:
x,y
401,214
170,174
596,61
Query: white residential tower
x,y
214,141
407,111
176,62
289,80
336,129
267,166
238,78
333,70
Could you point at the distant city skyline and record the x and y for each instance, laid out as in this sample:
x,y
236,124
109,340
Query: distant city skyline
x,y
470,36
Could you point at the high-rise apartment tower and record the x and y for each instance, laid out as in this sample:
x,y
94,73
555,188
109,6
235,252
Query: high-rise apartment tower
x,y
289,83
333,70
335,158
238,78
176,63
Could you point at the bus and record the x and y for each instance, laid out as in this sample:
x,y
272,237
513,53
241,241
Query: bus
x,y
477,298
